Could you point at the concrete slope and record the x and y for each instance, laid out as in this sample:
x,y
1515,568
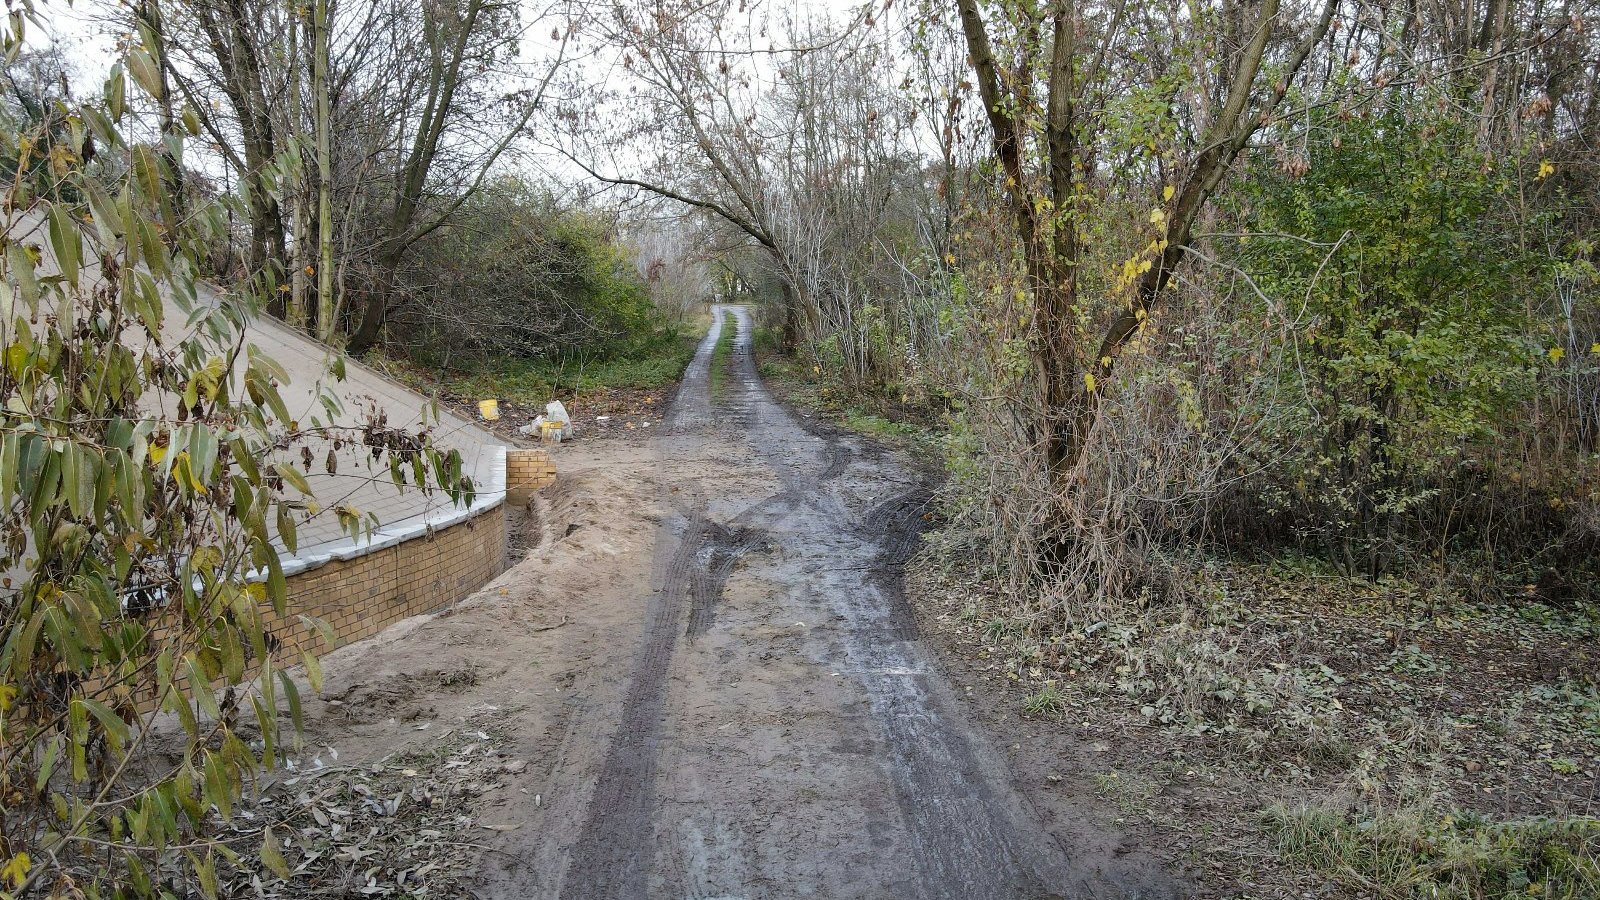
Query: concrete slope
x,y
356,482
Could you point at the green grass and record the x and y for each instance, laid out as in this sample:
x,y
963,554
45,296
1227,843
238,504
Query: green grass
x,y
1048,701
877,426
1133,795
720,354
534,381
1417,853
806,388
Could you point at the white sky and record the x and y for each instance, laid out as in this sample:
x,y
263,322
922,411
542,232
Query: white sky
x,y
92,51
77,26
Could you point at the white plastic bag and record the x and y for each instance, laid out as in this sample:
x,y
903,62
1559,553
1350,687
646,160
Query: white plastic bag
x,y
557,413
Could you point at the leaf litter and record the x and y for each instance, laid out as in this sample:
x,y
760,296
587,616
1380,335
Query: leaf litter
x,y
403,826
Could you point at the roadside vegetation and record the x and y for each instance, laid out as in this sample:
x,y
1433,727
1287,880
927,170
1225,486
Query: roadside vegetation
x,y
917,431
637,385
529,302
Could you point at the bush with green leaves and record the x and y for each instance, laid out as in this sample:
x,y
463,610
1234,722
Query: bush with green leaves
x,y
517,275
1393,255
145,489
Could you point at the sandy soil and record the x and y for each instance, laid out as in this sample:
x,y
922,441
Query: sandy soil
x,y
712,685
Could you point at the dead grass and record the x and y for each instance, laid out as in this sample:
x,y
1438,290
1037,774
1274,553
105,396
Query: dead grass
x,y
1276,687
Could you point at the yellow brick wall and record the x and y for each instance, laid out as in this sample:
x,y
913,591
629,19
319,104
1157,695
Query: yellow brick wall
x,y
527,470
360,597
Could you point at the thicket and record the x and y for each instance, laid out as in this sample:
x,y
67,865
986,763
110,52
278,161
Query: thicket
x,y
1409,424
1382,354
515,277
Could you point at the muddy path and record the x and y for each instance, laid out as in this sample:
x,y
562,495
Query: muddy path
x,y
768,723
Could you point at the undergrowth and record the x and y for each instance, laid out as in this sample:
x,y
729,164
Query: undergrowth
x,y
534,381
914,430
1286,684
1460,855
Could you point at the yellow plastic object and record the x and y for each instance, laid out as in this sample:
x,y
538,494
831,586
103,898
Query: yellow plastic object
x,y
489,409
550,432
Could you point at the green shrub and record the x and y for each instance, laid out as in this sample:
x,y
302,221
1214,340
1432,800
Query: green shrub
x,y
518,277
1390,257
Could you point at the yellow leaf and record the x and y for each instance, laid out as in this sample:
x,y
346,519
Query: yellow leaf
x,y
1167,192
1595,349
157,454
15,872
1546,169
1157,217
272,856
1105,362
1556,354
1088,381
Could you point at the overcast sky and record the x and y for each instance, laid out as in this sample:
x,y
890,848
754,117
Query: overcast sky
x,y
92,51
80,31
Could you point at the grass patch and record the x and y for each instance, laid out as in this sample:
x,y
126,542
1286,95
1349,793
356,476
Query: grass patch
x,y
534,381
720,354
878,427
1131,794
1453,856
809,389
1047,701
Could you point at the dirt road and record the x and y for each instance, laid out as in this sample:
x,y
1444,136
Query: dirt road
x,y
719,687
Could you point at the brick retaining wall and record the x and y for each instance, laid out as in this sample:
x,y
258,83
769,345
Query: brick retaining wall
x,y
360,597
527,470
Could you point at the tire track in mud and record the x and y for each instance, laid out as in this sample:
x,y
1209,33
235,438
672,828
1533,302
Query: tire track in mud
x,y
715,561
607,859
970,835
963,831
896,525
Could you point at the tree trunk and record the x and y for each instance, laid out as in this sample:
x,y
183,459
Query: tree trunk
x,y
236,55
375,307
172,206
301,224
319,75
